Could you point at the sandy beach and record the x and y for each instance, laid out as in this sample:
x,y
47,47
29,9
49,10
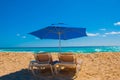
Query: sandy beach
x,y
95,66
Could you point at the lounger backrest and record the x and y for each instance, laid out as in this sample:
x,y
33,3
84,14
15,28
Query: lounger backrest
x,y
67,57
43,58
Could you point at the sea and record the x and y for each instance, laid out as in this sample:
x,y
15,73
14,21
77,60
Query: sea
x,y
81,49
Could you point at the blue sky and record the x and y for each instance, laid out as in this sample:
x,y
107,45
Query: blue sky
x,y
19,17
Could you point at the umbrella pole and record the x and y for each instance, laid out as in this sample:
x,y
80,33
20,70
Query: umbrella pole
x,y
59,42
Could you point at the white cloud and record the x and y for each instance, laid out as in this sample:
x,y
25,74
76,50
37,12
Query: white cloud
x,y
17,34
117,24
103,29
112,33
93,34
23,36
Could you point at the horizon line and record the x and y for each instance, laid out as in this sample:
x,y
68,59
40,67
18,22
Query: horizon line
x,y
63,46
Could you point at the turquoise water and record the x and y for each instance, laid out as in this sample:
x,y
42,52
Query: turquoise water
x,y
86,49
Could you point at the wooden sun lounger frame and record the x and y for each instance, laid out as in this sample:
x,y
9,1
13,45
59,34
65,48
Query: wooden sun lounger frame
x,y
41,64
73,63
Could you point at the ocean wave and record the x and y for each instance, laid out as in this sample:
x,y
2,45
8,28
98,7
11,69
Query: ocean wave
x,y
98,50
1,50
79,51
72,49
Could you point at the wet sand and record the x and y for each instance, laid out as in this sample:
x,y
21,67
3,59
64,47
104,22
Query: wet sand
x,y
95,66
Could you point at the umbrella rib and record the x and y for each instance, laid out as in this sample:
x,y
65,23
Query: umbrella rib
x,y
68,30
75,31
49,31
63,31
56,30
72,31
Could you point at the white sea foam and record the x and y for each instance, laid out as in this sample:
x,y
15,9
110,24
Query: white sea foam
x,y
97,50
79,51
41,51
76,49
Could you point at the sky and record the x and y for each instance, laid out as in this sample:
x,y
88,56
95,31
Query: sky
x,y
101,18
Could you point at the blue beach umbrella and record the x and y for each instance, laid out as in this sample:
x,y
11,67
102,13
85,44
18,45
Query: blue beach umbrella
x,y
60,33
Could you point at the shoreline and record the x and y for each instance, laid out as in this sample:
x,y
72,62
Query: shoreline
x,y
76,49
56,52
96,66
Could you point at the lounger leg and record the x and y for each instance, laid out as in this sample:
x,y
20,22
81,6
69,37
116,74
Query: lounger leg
x,y
51,69
77,69
29,67
56,69
33,70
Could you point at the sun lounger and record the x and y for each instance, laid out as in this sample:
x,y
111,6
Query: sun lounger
x,y
67,60
42,61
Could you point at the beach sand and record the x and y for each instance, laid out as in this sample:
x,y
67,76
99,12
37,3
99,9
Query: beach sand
x,y
95,66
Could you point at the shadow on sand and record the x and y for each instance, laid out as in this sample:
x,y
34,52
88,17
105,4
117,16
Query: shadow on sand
x,y
24,74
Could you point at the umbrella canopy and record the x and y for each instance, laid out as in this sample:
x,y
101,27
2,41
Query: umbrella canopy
x,y
61,33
